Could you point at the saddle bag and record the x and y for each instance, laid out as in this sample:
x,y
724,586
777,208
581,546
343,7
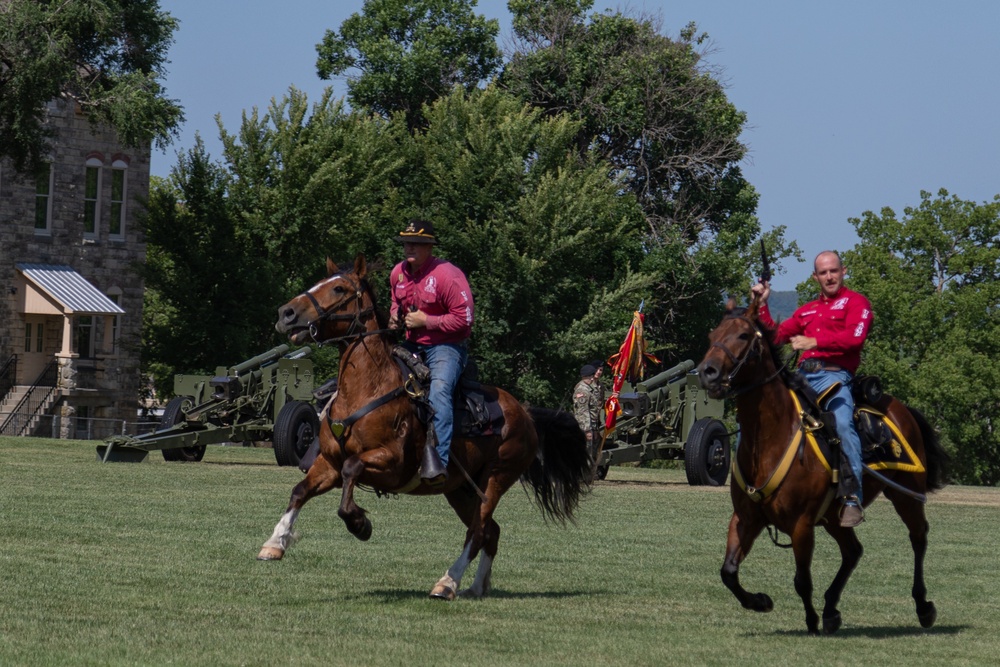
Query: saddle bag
x,y
867,389
873,431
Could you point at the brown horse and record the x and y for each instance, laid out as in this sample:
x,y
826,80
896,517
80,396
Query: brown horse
x,y
776,482
372,435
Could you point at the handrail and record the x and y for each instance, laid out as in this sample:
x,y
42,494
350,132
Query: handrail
x,y
8,376
27,408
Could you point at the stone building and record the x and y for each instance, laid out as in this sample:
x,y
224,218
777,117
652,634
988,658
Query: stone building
x,y
70,292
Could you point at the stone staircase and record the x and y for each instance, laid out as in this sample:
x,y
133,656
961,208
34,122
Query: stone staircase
x,y
22,424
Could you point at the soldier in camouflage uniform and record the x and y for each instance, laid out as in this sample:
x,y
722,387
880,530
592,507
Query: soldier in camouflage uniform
x,y
588,400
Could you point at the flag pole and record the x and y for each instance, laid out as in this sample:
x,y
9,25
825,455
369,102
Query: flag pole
x,y
614,390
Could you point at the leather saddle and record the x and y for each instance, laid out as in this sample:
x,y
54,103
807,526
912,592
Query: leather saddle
x,y
869,421
476,406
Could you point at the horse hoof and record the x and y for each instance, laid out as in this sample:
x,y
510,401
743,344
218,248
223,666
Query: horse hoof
x,y
365,532
763,603
445,588
472,593
442,592
928,617
831,623
270,553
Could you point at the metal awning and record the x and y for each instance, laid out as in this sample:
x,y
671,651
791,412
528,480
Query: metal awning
x,y
74,293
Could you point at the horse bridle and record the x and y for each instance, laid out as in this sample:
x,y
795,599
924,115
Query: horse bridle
x,y
754,349
358,317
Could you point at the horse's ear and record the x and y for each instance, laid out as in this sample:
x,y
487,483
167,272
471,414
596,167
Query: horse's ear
x,y
754,307
730,304
360,265
331,267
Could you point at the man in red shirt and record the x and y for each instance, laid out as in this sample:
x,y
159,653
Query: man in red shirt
x,y
432,299
830,332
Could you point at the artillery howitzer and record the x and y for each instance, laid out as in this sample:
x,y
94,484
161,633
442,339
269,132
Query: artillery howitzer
x,y
669,416
266,398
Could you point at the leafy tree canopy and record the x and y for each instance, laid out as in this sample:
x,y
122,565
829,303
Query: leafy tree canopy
x,y
933,277
105,55
409,52
650,107
207,296
547,240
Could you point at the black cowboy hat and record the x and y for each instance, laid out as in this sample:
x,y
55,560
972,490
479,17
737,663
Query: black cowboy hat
x,y
418,231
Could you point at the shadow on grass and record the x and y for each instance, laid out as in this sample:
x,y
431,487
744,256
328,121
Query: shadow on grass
x,y
399,595
879,633
639,482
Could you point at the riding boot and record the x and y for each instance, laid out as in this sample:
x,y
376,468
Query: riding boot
x,y
848,485
310,456
851,514
432,470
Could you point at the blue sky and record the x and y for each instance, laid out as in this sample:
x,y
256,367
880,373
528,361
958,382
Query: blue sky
x,y
852,105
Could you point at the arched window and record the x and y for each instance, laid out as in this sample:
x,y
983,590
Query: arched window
x,y
119,169
92,197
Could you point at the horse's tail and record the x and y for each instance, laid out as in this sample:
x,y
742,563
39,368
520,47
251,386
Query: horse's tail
x,y
560,474
937,458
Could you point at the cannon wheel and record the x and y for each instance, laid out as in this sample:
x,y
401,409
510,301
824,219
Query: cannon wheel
x,y
707,453
294,429
173,414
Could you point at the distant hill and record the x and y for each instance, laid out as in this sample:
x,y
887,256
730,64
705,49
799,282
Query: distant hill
x,y
783,304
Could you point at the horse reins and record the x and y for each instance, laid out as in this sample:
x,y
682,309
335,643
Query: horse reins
x,y
752,350
357,318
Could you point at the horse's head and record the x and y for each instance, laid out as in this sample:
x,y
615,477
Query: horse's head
x,y
736,348
339,306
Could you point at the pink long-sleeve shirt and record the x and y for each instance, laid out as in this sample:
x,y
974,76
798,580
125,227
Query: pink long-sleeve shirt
x,y
439,289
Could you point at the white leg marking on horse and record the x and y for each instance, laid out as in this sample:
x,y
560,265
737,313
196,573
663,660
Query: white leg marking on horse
x,y
481,584
282,537
457,569
447,586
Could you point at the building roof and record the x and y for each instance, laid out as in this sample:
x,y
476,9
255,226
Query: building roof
x,y
73,292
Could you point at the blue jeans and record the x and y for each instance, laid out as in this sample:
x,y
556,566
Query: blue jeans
x,y
841,404
446,362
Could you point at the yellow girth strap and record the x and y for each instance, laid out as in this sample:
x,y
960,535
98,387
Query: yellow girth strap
x,y
776,478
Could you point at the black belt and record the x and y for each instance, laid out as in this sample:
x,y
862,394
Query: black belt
x,y
816,365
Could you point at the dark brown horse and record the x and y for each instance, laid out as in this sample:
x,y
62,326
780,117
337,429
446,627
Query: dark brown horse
x,y
372,435
776,482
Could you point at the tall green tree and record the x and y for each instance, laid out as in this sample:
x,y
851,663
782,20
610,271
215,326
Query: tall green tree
x,y
208,299
105,55
313,180
550,244
933,277
652,108
402,54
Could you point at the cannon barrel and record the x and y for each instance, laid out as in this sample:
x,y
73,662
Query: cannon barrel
x,y
665,377
300,353
256,362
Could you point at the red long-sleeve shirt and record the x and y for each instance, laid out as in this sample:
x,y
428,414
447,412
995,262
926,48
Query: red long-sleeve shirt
x,y
441,291
840,326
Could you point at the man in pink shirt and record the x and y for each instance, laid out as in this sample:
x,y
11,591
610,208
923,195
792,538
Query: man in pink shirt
x,y
432,300
830,332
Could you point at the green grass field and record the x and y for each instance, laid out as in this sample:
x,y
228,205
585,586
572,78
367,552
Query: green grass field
x,y
154,564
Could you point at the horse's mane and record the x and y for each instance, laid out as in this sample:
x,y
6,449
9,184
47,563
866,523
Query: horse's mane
x,y
380,315
792,380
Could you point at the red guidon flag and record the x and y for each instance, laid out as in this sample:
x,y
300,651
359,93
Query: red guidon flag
x,y
628,364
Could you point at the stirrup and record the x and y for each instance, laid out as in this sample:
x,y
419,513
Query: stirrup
x,y
433,472
851,514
